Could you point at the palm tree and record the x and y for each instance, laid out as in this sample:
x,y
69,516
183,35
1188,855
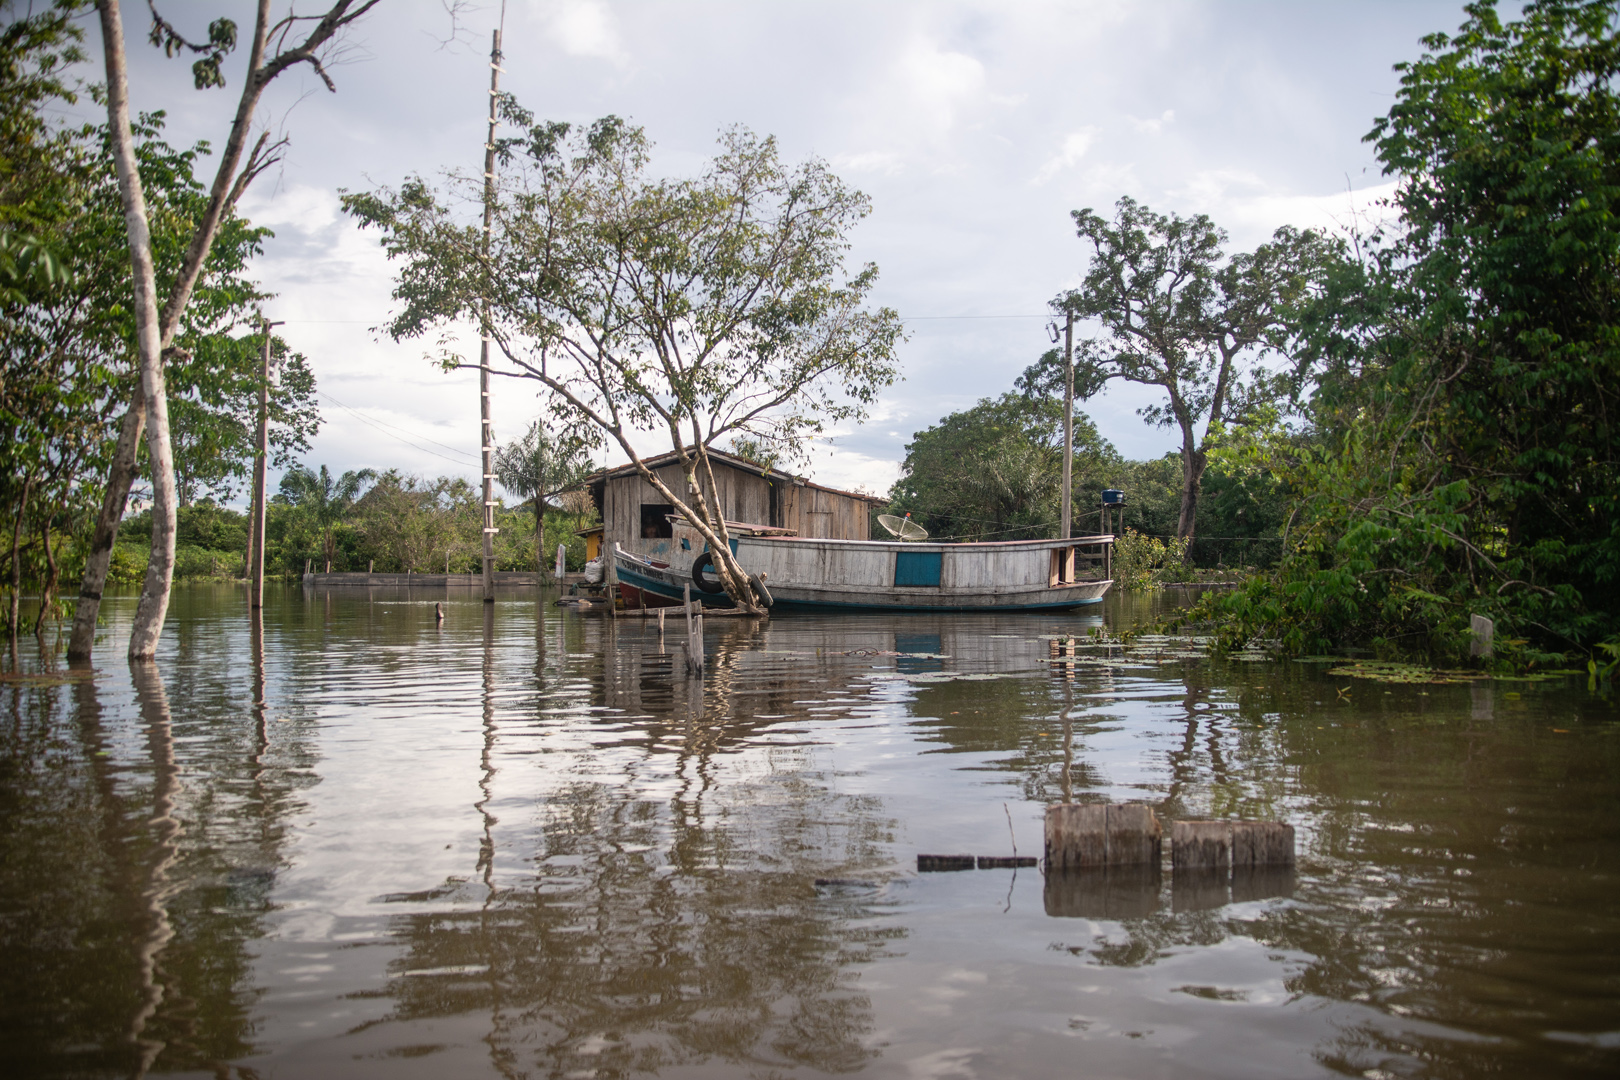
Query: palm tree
x,y
540,465
327,499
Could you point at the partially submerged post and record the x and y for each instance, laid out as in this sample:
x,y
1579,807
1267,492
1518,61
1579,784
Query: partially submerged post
x,y
1091,834
261,449
694,634
1262,843
1221,846
486,431
1201,845
1484,634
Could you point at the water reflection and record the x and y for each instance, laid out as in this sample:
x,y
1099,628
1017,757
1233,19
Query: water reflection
x,y
524,842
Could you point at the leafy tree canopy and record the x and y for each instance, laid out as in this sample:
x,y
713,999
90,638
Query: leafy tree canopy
x,y
994,472
1177,312
703,308
1468,424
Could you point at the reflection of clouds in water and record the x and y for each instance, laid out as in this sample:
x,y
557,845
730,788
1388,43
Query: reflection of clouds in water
x,y
654,843
942,1064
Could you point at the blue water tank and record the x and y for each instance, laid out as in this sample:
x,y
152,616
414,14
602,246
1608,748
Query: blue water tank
x,y
1113,497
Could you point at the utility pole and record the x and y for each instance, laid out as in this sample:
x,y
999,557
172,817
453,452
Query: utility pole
x,y
1068,420
488,436
261,453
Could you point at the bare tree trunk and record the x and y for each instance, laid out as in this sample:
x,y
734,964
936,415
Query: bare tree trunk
x,y
1192,480
231,179
47,596
16,561
154,602
540,536
119,481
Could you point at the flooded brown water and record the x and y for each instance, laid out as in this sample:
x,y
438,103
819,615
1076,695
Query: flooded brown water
x,y
525,844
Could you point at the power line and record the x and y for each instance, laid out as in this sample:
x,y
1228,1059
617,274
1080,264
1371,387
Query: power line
x,y
381,426
935,318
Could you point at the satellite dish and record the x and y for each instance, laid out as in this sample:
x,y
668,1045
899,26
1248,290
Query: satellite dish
x,y
904,528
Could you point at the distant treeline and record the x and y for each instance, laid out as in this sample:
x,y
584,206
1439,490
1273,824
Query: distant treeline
x,y
995,471
398,522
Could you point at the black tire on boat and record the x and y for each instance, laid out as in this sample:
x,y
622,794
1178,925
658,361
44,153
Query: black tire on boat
x,y
761,590
704,560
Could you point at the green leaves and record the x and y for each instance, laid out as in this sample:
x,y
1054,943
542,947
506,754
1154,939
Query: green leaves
x,y
706,307
206,72
994,472
1176,312
1470,365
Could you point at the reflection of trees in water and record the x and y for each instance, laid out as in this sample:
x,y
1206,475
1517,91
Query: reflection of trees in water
x,y
136,857
649,937
625,932
1443,859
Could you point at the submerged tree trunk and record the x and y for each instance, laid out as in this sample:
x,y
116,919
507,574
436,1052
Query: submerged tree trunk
x,y
539,536
120,479
47,596
1193,462
156,330
16,561
154,602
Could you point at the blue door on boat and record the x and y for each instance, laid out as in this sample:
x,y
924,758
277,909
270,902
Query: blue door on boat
x,y
917,567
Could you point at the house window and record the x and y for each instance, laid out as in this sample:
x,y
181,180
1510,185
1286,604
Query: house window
x,y
655,521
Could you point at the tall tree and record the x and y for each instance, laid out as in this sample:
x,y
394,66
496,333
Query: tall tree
x,y
1507,139
66,339
215,417
541,465
701,308
994,472
328,499
273,49
1467,458
1178,313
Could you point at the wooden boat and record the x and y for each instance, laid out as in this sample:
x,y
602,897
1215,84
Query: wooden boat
x,y
1017,575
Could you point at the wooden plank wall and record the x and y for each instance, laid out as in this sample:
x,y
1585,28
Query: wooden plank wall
x,y
810,511
824,515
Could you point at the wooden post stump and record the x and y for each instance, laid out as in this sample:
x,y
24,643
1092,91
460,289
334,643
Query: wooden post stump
x,y
928,864
1201,845
1076,835
1091,834
1262,843
1134,836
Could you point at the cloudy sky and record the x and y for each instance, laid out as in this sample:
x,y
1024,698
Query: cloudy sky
x,y
975,128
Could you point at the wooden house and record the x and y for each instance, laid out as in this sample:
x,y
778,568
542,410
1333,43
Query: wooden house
x,y
635,515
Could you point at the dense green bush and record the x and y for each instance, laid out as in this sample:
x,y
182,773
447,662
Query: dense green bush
x,y
1469,410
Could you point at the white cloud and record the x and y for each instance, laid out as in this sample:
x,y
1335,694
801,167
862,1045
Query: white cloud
x,y
939,83
1251,209
1153,127
587,28
1075,145
885,162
